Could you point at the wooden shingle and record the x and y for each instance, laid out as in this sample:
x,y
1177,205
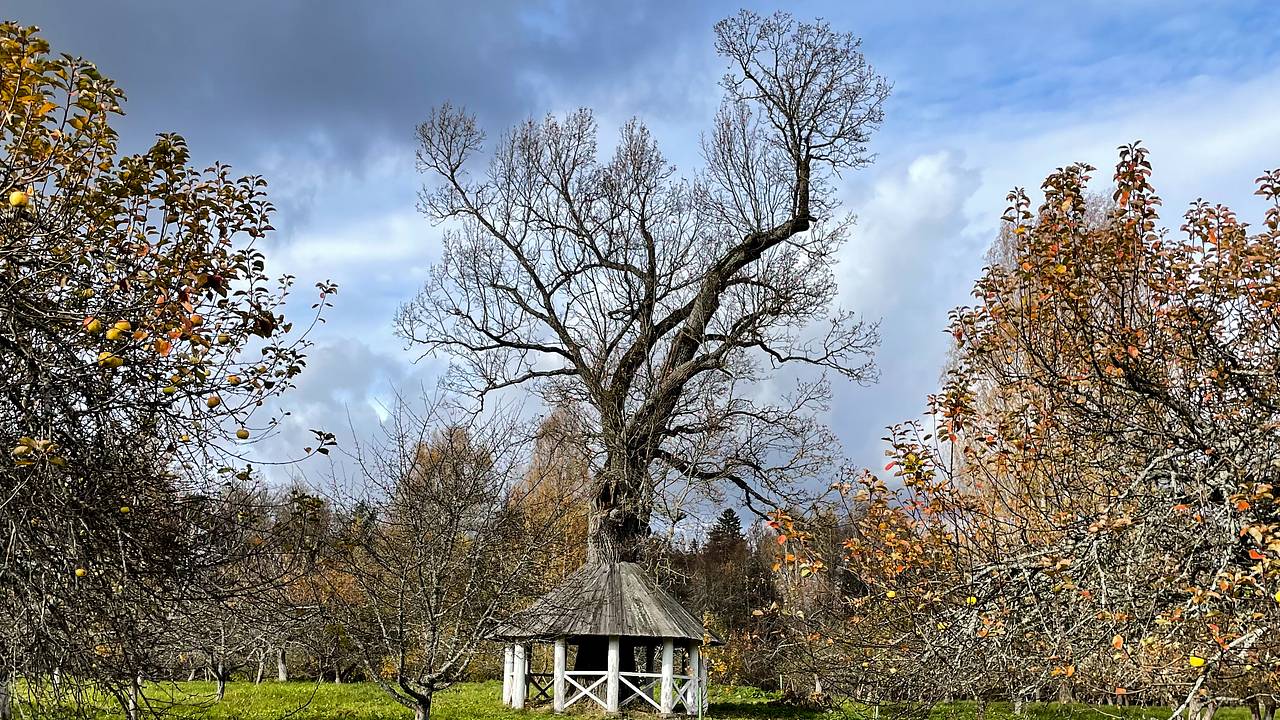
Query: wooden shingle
x,y
605,599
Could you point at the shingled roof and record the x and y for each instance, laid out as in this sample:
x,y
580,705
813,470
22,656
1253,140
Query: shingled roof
x,y
606,599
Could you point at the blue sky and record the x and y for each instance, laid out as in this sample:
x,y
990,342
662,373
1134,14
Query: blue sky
x,y
322,98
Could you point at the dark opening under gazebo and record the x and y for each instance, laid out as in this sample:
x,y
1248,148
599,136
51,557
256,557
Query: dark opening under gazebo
x,y
630,641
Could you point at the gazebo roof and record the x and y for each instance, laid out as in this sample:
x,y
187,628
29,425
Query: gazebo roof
x,y
606,599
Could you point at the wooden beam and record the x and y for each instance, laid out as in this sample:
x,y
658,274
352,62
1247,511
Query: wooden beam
x,y
611,675
519,677
695,679
508,662
667,685
557,691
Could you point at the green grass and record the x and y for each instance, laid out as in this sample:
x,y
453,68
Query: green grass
x,y
477,701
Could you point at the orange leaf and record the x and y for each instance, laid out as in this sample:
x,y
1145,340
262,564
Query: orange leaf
x,y
1255,555
1117,642
782,539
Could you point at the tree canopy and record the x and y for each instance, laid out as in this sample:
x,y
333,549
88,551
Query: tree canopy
x,y
651,301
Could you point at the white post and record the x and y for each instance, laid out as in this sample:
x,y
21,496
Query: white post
x,y
667,685
704,696
520,669
611,675
695,679
557,689
508,663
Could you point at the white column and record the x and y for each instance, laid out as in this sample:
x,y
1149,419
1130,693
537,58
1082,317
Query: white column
x,y
611,675
667,684
704,696
508,662
557,689
519,670
695,678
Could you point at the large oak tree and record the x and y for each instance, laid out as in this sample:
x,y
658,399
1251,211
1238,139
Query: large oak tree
x,y
654,302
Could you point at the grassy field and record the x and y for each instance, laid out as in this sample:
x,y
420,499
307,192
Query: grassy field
x,y
479,701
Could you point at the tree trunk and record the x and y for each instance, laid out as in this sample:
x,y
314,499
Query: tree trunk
x,y
132,706
220,678
593,655
6,697
337,674
618,523
282,670
262,663
422,711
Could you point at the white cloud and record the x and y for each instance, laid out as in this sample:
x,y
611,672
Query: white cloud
x,y
925,220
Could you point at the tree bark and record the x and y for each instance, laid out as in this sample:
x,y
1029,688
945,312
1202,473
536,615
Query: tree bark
x,y
220,677
593,655
282,669
132,701
6,697
618,522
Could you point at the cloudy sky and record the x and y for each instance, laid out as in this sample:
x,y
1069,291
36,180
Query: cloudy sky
x,y
322,98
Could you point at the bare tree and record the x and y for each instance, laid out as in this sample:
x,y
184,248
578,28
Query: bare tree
x,y
656,303
433,550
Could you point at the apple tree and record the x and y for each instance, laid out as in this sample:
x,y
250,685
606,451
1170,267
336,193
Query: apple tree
x,y
140,340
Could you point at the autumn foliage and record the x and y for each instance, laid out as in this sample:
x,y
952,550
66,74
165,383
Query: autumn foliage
x,y
140,339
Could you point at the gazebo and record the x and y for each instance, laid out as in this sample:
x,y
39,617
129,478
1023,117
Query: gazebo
x,y
631,641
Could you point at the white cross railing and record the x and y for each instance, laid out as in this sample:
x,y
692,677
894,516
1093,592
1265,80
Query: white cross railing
x,y
586,690
644,685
